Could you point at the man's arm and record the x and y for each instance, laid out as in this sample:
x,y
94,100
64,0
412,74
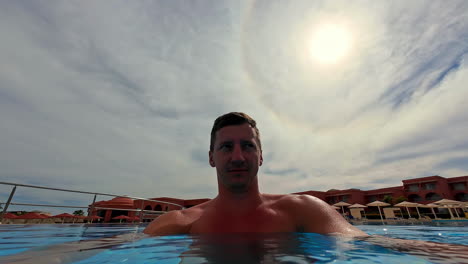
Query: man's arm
x,y
316,216
171,223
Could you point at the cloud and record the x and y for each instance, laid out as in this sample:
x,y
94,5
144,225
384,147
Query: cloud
x,y
120,97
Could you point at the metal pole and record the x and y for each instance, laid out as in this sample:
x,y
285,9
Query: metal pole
x,y
419,215
381,217
450,212
435,216
95,193
456,209
7,203
141,212
90,209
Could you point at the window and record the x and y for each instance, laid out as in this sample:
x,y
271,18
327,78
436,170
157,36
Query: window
x,y
461,197
414,198
459,186
413,188
430,186
433,197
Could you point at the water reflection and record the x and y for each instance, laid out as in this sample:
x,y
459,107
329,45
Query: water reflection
x,y
257,248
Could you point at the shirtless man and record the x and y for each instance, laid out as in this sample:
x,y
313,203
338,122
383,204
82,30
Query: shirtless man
x,y
236,153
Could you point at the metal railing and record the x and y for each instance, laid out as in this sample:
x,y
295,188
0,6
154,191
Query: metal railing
x,y
90,208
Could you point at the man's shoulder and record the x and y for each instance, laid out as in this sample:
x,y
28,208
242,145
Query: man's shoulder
x,y
294,200
174,222
313,215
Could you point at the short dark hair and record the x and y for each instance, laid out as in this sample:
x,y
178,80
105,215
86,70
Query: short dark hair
x,y
233,119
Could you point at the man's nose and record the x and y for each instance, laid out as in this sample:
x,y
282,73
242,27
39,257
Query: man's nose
x,y
237,154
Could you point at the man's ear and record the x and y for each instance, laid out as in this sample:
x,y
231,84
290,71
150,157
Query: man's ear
x,y
210,158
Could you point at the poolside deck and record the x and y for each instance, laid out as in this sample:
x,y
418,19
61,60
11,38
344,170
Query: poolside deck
x,y
413,221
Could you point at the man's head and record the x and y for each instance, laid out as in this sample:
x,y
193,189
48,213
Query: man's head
x,y
233,119
235,152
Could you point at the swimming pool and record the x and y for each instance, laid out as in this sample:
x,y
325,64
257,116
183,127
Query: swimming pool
x,y
238,248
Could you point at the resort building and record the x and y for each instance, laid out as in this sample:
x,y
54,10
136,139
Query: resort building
x,y
119,206
421,190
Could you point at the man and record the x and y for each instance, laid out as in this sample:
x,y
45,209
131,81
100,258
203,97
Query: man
x,y
236,153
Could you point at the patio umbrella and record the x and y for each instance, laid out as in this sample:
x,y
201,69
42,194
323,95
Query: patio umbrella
x,y
10,216
378,204
134,218
448,204
63,216
447,201
121,217
335,207
93,217
432,206
409,204
342,205
32,216
356,205
75,217
405,204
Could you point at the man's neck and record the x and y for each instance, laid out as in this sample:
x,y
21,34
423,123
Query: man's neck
x,y
238,202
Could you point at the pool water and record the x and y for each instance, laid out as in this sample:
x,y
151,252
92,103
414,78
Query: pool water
x,y
37,240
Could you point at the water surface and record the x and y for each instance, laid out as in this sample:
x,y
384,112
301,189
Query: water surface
x,y
40,241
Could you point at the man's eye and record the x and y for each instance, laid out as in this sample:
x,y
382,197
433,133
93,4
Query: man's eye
x,y
225,147
249,145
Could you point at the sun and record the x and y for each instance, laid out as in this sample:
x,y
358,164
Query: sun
x,y
330,43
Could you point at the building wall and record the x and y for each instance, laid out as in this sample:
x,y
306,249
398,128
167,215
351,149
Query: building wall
x,y
422,190
458,187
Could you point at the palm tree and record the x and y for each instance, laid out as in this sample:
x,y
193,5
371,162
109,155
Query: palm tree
x,y
388,199
78,212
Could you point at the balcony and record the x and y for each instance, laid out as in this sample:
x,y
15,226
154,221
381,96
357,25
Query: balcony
x,y
458,186
412,188
430,186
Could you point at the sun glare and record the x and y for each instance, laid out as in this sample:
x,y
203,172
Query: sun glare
x,y
330,43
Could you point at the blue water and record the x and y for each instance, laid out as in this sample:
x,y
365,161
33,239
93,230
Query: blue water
x,y
238,248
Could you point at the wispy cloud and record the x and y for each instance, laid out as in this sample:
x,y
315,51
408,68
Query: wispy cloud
x,y
120,97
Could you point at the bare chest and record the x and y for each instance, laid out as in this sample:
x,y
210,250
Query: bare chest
x,y
261,221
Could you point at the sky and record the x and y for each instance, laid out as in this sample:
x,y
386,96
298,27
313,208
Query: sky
x,y
120,96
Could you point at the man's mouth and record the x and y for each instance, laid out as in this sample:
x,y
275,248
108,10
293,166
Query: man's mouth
x,y
238,170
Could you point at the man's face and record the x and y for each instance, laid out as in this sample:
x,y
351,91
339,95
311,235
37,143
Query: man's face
x,y
236,155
